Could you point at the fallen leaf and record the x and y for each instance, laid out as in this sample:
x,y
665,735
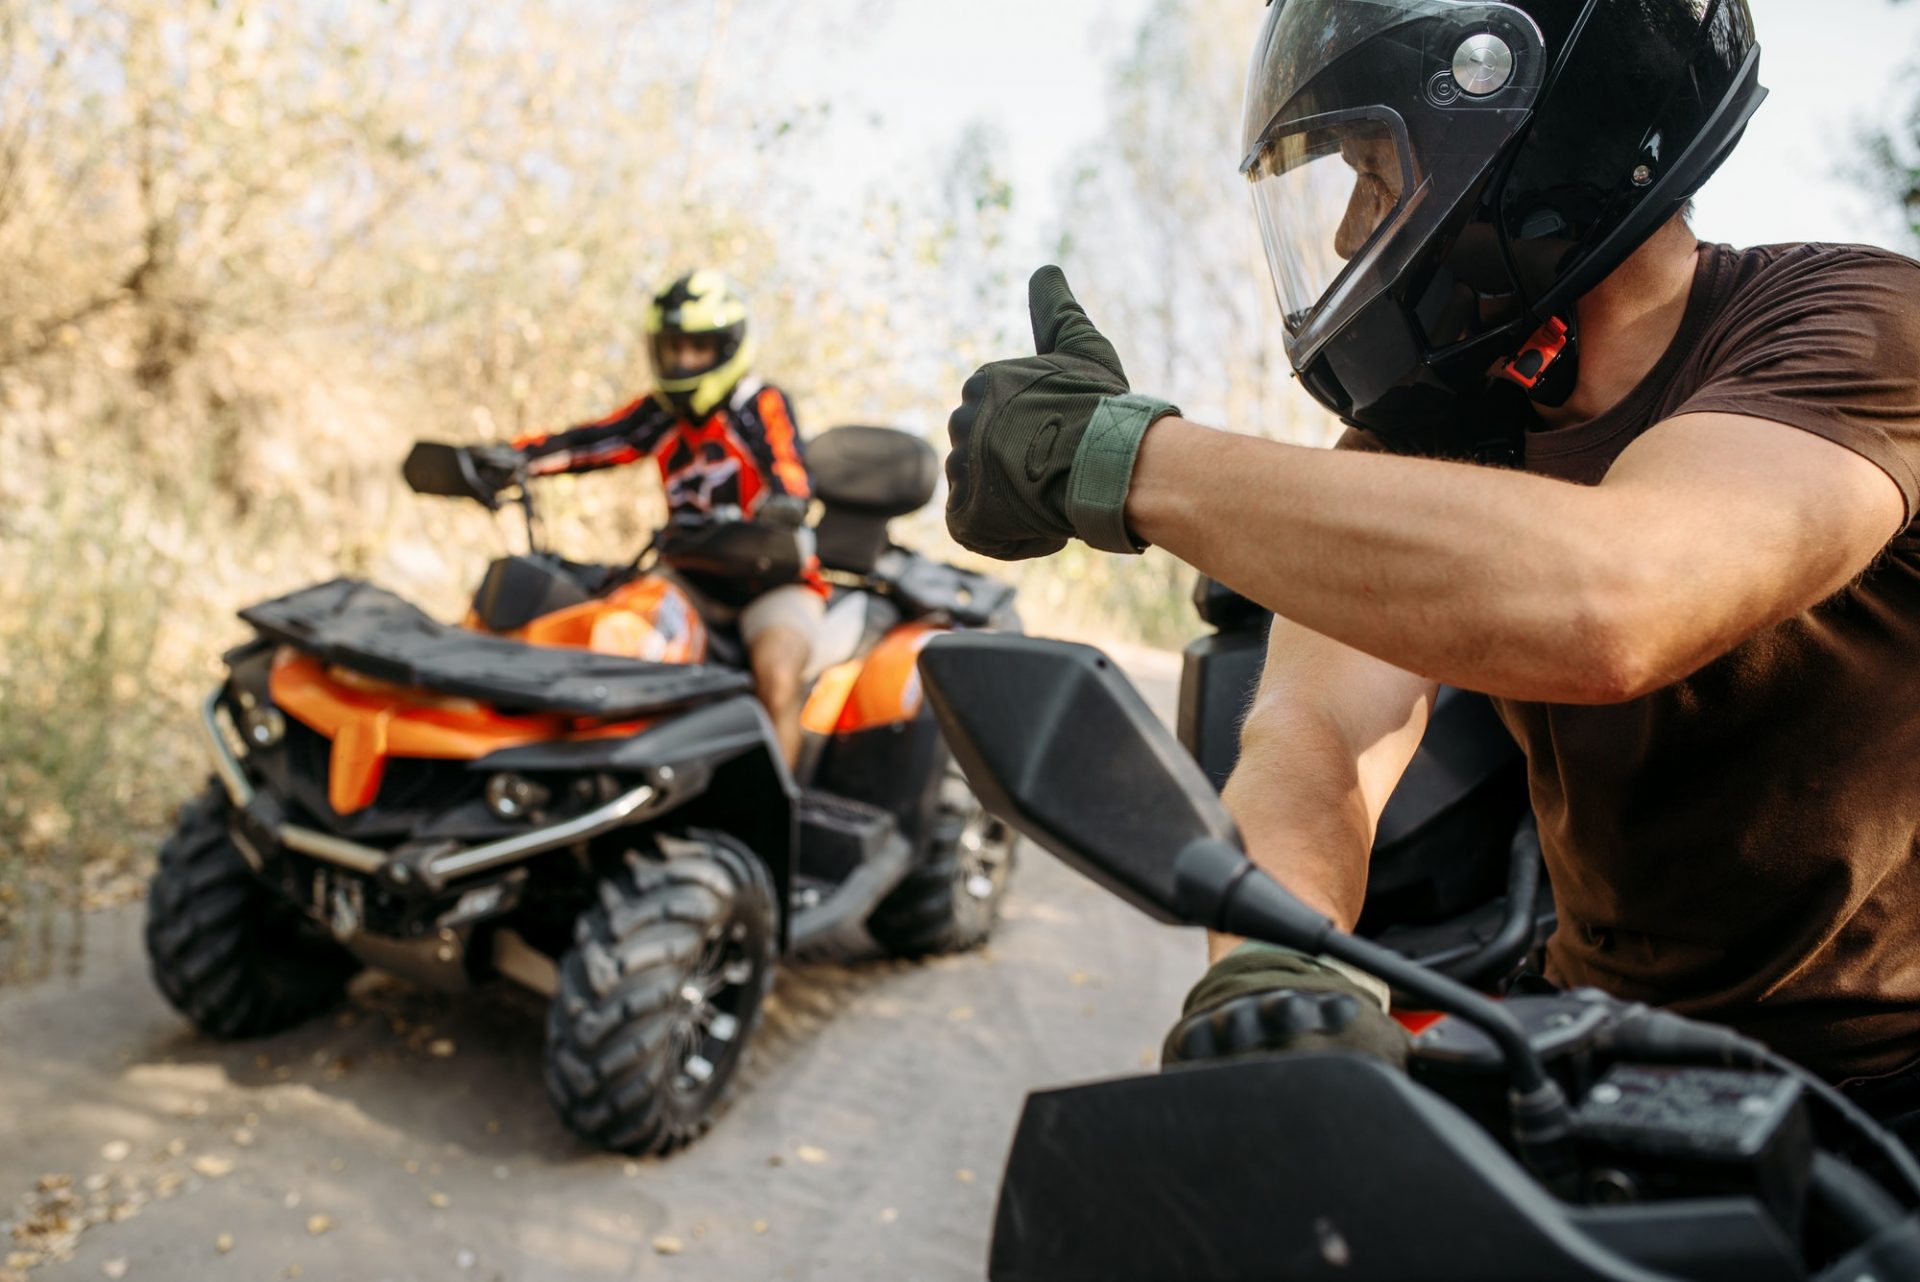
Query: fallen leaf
x,y
223,1243
630,1169
410,1166
493,1128
963,1175
114,1268
960,1014
440,1047
116,1150
176,1147
776,1160
293,1271
667,1244
213,1167
1079,978
318,1224
440,1200
810,1155
760,1226
243,1137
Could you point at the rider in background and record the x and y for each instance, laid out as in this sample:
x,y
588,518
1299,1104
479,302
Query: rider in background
x,y
725,442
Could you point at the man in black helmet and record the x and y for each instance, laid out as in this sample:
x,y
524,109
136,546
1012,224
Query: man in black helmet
x,y
1657,497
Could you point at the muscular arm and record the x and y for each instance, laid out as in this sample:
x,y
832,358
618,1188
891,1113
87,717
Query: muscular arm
x,y
1708,528
1327,738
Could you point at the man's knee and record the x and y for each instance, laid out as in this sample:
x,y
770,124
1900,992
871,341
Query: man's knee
x,y
779,657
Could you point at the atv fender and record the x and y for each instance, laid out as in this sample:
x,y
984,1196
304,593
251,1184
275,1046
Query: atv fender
x,y
718,764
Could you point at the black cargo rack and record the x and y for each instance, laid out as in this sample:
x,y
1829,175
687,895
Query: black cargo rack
x,y
355,625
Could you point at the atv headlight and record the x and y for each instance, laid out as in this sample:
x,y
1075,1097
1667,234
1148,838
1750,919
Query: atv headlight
x,y
262,726
512,796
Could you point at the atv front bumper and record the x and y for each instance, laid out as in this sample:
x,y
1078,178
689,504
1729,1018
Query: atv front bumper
x,y
261,828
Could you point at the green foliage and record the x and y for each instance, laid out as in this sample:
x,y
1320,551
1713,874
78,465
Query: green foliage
x,y
1890,163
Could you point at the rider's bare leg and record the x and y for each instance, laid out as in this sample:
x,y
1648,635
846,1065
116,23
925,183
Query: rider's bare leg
x,y
779,658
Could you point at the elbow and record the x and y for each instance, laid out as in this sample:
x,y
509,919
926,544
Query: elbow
x,y
1618,649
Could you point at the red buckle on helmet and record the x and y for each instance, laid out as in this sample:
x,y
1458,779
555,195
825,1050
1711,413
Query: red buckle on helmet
x,y
1539,354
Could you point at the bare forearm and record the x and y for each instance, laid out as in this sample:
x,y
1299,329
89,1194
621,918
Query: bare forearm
x,y
1297,802
1324,745
1479,577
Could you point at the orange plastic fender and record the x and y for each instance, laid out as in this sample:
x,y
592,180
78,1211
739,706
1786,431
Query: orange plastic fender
x,y
369,720
887,690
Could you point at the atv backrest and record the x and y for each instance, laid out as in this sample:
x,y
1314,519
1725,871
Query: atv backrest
x,y
866,476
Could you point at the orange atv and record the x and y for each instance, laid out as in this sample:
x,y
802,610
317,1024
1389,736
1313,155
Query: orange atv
x,y
577,790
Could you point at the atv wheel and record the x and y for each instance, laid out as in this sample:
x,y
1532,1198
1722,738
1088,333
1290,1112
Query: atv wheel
x,y
225,952
660,994
950,901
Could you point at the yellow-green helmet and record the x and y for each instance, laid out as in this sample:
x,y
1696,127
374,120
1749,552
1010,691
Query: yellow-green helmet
x,y
702,302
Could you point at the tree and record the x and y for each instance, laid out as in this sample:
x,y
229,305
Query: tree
x,y
1892,155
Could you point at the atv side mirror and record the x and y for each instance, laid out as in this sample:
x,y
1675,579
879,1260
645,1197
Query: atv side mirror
x,y
1058,743
433,467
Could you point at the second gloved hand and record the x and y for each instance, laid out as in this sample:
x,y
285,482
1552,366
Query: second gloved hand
x,y
1261,998
1044,445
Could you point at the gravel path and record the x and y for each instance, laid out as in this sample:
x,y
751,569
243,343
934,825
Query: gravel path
x,y
408,1138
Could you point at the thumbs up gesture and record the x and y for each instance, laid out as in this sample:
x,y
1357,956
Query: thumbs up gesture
x,y
1044,445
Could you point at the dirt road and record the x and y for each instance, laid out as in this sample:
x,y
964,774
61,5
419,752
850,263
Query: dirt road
x,y
409,1138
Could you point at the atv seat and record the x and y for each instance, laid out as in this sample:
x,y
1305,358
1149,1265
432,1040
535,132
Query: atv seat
x,y
866,476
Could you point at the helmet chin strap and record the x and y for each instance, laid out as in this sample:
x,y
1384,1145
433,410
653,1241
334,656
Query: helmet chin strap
x,y
1547,366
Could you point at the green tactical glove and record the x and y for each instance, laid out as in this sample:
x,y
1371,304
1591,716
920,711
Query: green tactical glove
x,y
1261,998
1044,445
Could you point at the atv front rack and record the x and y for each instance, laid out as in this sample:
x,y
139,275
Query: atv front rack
x,y
355,625
260,822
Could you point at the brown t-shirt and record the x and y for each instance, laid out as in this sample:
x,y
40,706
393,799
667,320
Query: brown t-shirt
x,y
1744,845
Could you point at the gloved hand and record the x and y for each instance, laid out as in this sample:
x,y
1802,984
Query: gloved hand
x,y
1044,445
1263,998
498,466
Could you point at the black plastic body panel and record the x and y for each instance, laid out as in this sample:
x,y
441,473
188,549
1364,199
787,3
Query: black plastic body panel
x,y
922,587
1335,1167
895,768
516,590
370,630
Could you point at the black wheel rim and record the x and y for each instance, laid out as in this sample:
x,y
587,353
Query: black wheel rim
x,y
982,852
709,1022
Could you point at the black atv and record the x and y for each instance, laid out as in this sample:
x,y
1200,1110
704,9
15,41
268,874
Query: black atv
x,y
577,790
1562,1137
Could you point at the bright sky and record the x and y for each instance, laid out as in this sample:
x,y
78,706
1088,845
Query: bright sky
x,y
1037,70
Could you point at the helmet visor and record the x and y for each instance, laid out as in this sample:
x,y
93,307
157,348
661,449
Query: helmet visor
x,y
1323,195
1368,124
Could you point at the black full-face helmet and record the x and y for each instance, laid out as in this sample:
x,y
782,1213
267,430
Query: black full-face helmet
x,y
1439,181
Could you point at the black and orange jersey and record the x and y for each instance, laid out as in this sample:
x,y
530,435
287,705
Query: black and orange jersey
x,y
744,451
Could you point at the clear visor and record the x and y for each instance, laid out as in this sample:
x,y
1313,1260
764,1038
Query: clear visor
x,y
1323,197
